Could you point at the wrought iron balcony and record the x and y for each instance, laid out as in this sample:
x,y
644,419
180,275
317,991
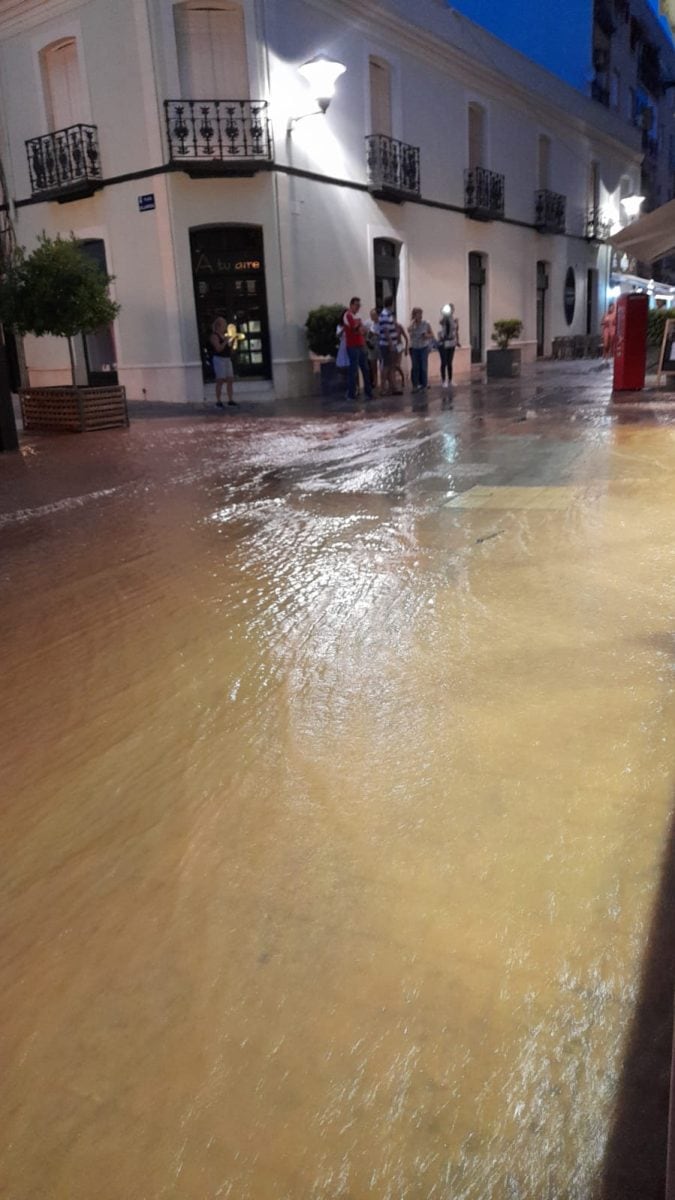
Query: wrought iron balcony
x,y
219,136
484,194
393,167
598,225
549,211
65,165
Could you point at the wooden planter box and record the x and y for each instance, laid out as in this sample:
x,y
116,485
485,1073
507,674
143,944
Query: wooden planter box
x,y
73,409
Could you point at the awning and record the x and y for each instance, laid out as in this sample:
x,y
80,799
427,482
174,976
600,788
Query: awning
x,y
650,236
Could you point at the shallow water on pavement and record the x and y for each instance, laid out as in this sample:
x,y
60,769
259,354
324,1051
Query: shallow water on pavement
x,y
338,772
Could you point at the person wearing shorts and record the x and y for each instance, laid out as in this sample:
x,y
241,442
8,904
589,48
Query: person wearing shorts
x,y
221,354
389,352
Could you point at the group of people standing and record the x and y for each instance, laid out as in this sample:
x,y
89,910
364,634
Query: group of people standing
x,y
375,348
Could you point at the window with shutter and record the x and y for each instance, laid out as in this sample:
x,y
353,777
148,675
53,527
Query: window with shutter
x,y
380,96
62,84
211,45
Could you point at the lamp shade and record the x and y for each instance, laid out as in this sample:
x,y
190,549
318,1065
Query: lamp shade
x,y
633,204
321,74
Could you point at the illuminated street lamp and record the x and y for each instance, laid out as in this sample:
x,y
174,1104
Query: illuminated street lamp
x,y
321,73
632,205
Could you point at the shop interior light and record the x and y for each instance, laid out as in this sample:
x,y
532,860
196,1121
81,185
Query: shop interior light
x,y
632,204
321,73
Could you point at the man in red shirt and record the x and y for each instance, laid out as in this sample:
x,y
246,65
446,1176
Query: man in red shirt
x,y
355,345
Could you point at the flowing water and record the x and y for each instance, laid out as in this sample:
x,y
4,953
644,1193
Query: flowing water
x,y
337,773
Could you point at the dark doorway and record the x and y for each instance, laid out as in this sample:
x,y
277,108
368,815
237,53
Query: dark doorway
x,y
387,270
542,288
591,300
100,355
228,272
477,276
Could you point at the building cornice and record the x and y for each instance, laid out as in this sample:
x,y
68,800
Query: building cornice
x,y
17,16
379,20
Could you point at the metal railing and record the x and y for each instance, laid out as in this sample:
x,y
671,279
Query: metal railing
x,y
598,225
549,211
393,166
218,131
484,194
64,161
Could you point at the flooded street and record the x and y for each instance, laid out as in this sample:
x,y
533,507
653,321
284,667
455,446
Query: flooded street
x,y
338,778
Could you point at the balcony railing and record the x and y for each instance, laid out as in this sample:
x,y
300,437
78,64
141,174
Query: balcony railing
x,y
598,225
219,136
549,211
65,164
484,194
393,167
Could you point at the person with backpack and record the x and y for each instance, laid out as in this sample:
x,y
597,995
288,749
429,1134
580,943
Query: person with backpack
x,y
447,340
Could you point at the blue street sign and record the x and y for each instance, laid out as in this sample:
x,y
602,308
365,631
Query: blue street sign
x,y
146,203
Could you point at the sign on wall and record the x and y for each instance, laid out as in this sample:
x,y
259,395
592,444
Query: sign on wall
x,y
146,203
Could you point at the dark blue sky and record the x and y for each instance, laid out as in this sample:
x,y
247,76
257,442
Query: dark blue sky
x,y
557,36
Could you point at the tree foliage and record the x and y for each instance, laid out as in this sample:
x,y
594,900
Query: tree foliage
x,y
56,289
321,325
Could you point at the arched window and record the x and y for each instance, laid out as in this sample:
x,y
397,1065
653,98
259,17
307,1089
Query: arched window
x,y
380,96
62,84
476,136
211,45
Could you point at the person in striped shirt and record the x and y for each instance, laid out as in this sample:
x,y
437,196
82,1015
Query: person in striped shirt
x,y
389,344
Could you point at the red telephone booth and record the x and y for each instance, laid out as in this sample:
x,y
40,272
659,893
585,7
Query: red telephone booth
x,y
630,346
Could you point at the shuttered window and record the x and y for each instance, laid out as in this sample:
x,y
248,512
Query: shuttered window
x,y
211,44
62,84
380,96
476,136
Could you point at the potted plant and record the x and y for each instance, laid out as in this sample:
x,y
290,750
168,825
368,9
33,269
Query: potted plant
x,y
504,363
57,290
321,326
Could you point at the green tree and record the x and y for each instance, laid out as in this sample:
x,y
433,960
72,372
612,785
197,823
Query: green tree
x,y
56,290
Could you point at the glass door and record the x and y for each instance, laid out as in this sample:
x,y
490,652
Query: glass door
x,y
542,288
229,280
476,305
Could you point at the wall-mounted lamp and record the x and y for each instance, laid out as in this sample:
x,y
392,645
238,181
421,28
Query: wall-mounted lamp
x,y
632,205
322,74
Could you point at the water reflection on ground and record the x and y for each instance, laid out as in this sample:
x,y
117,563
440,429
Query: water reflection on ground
x,y
338,777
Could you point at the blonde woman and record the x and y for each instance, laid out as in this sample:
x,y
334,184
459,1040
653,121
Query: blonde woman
x,y
221,353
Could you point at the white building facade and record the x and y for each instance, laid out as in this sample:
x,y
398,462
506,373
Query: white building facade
x,y
447,168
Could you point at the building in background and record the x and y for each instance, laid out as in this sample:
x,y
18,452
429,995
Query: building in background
x,y
175,141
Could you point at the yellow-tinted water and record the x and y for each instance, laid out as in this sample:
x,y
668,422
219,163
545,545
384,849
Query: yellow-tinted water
x,y
337,777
